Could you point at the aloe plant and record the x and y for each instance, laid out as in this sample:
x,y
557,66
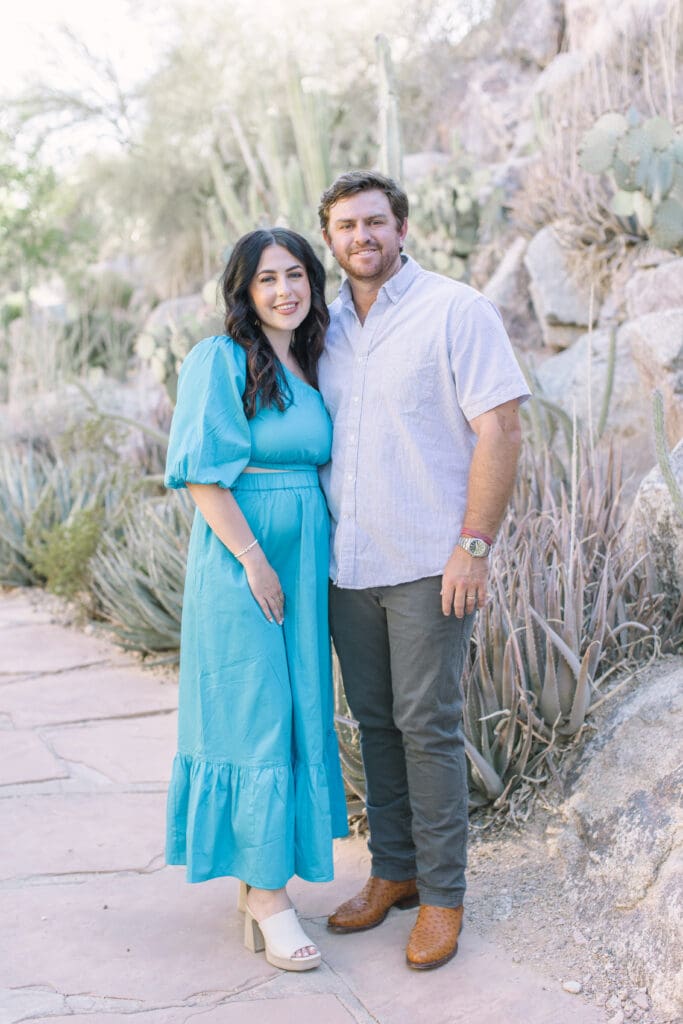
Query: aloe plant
x,y
645,161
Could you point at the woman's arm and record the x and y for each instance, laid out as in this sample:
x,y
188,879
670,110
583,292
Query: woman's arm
x,y
224,516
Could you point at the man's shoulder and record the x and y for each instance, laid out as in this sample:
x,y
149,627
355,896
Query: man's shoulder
x,y
447,288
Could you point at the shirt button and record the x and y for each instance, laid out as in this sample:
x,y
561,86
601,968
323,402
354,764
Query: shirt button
x,y
356,398
349,476
352,438
347,515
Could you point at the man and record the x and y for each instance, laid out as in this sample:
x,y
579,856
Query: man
x,y
423,388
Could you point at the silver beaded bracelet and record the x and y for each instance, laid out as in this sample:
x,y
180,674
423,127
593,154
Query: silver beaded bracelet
x,y
248,548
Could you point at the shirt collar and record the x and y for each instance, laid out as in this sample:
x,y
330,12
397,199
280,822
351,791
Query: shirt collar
x,y
394,288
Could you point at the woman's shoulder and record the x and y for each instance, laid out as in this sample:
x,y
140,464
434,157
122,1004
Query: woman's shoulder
x,y
217,349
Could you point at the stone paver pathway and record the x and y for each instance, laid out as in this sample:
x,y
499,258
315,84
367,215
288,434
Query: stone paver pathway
x,y
94,929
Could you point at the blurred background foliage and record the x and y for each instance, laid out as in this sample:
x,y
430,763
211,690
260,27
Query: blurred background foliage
x,y
242,122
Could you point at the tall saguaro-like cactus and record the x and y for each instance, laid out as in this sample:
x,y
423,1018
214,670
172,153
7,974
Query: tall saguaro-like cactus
x,y
389,124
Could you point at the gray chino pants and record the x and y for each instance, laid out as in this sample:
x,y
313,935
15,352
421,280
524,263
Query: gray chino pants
x,y
401,659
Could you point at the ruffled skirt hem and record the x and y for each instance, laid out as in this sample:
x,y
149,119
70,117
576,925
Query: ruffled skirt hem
x,y
261,824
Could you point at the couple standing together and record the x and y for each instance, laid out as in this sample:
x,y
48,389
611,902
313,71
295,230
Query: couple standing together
x,y
402,401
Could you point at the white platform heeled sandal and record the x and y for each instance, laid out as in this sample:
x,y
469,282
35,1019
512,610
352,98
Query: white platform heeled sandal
x,y
281,936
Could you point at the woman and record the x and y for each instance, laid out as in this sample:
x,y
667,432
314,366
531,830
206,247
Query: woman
x,y
256,790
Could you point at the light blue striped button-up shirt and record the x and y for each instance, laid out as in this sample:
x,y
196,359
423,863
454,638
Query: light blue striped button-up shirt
x,y
401,389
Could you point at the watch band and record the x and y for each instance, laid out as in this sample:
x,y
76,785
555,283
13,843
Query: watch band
x,y
468,531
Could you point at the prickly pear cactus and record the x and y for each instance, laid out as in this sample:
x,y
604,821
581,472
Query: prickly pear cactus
x,y
450,210
645,162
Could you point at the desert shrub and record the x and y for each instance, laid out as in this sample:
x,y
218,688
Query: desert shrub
x,y
61,553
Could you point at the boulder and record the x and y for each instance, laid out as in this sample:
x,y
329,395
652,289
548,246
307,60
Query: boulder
x,y
562,304
622,847
656,525
656,345
576,380
174,313
560,74
655,289
489,100
593,27
533,32
508,288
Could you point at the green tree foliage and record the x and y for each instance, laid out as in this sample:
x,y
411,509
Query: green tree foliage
x,y
41,227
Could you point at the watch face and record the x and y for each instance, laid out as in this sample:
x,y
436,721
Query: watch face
x,y
476,547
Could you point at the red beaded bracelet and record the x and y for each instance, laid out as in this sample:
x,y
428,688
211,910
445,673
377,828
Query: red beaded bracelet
x,y
467,532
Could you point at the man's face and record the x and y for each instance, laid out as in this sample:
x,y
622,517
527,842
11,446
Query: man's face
x,y
363,237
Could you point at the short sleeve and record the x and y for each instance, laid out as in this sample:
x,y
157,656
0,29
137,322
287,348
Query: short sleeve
x,y
483,362
210,441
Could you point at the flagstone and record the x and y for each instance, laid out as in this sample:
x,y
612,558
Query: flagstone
x,y
89,693
481,985
127,750
152,938
51,648
25,758
71,834
307,1009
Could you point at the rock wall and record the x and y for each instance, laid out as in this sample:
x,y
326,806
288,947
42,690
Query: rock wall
x,y
508,77
623,844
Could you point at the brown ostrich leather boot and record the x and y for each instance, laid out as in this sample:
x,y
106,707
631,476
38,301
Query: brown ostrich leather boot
x,y
372,904
434,938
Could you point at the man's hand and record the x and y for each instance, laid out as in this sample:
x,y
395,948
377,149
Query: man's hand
x,y
464,583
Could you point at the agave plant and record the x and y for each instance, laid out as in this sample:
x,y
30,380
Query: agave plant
x,y
569,606
24,473
138,573
42,492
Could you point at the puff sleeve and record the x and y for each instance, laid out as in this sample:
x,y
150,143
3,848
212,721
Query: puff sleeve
x,y
210,441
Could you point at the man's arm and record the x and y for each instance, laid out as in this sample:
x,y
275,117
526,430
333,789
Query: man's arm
x,y
490,483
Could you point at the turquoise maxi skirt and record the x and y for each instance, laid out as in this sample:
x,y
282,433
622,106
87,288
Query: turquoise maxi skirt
x,y
256,790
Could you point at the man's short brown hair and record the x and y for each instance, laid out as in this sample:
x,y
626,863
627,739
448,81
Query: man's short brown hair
x,y
352,182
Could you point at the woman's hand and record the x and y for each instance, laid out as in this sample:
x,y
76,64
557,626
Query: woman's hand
x,y
264,584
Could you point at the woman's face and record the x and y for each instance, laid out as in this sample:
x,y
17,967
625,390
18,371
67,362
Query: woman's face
x,y
280,291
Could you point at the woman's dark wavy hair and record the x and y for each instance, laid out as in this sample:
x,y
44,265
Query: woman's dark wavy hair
x,y
266,383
